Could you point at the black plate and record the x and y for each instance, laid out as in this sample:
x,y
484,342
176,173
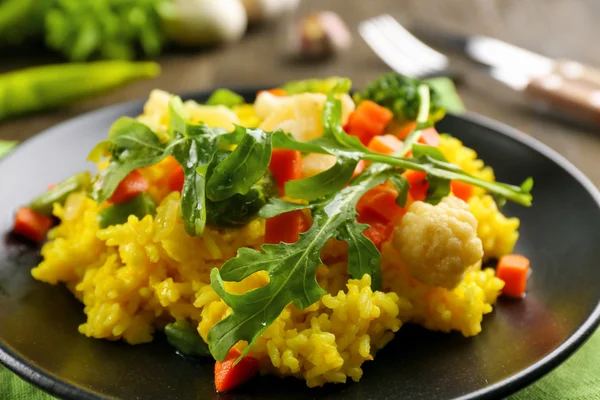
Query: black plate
x,y
521,339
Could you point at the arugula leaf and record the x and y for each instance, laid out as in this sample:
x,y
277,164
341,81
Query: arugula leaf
x,y
292,267
6,146
338,84
244,167
276,207
401,184
131,145
324,183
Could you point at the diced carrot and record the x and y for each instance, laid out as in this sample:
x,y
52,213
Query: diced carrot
x,y
229,376
462,190
402,131
131,186
176,178
286,227
385,144
430,137
286,165
279,92
381,203
369,119
360,167
418,184
32,225
513,270
378,231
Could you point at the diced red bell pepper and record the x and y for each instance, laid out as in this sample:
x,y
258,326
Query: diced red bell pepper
x,y
286,165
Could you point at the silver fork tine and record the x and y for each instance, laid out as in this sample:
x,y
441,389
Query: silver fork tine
x,y
387,50
399,49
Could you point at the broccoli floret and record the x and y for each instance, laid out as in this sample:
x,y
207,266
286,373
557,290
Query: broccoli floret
x,y
399,94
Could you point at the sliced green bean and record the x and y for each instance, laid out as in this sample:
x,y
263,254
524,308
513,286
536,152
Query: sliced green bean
x,y
140,206
186,340
43,203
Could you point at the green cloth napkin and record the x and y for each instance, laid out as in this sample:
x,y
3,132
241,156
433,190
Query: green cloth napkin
x,y
576,379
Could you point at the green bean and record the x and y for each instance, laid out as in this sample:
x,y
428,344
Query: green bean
x,y
51,86
140,206
186,340
44,202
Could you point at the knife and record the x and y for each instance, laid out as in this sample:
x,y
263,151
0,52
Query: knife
x,y
563,84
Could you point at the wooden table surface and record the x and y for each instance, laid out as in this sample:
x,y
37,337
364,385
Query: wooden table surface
x,y
557,28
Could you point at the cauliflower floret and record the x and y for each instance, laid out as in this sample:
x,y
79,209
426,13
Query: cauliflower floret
x,y
438,243
300,114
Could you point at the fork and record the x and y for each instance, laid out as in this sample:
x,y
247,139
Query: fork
x,y
400,50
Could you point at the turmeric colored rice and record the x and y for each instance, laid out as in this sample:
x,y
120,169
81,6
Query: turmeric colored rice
x,y
136,277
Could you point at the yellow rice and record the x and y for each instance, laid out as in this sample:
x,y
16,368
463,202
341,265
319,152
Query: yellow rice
x,y
136,277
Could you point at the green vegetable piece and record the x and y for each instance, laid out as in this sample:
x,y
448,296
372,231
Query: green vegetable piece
x,y
186,340
402,186
43,203
276,207
399,93
292,267
6,146
225,97
448,96
239,209
341,85
244,167
39,88
140,206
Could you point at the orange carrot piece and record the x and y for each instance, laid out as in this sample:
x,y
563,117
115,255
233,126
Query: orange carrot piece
x,y
286,227
131,186
381,203
32,225
369,119
513,270
462,190
229,376
418,184
360,167
385,144
404,130
430,137
286,165
279,92
378,231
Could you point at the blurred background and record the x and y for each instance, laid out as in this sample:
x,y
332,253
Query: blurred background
x,y
203,44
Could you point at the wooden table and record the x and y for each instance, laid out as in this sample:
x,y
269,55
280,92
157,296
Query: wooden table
x,y
557,28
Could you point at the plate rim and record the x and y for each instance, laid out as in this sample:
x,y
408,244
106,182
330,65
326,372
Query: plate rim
x,y
54,386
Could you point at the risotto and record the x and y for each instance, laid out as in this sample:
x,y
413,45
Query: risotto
x,y
296,234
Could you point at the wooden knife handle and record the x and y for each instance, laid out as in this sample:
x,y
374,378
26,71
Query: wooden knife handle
x,y
576,98
576,71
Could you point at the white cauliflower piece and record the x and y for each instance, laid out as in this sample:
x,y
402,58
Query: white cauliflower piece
x,y
300,114
438,243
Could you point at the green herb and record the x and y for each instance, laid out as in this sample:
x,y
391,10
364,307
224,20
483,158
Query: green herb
x,y
224,97
44,203
448,96
6,146
186,340
341,85
399,93
140,206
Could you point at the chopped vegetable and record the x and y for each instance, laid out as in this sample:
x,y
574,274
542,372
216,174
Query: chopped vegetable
x,y
32,225
175,176
286,165
403,129
225,97
462,190
449,98
340,85
378,231
368,120
185,339
232,371
385,144
40,88
399,94
418,184
279,92
204,22
140,206
381,203
513,269
286,227
360,167
430,137
58,193
128,188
